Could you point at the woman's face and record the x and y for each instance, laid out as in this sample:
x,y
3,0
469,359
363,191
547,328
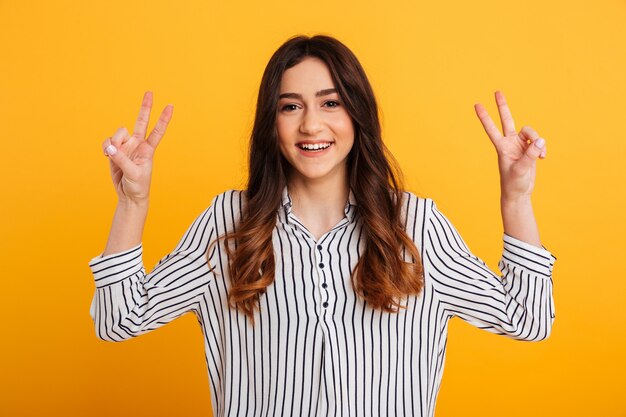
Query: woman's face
x,y
314,129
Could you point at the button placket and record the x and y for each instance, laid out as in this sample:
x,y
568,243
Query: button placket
x,y
321,274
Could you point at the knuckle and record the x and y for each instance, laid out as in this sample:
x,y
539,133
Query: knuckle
x,y
117,140
120,132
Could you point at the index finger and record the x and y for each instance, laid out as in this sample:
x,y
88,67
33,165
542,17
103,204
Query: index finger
x,y
144,116
487,122
508,126
161,126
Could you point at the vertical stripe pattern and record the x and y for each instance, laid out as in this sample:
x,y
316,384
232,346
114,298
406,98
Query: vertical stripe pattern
x,y
316,349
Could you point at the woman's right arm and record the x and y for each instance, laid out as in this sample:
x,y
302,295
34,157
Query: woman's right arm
x,y
130,163
127,227
128,302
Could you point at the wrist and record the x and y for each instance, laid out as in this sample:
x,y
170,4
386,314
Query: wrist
x,y
515,200
518,219
132,210
132,206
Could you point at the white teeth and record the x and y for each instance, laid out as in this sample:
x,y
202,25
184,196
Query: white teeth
x,y
315,146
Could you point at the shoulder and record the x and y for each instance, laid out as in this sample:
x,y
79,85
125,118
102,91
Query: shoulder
x,y
414,206
229,198
415,213
226,208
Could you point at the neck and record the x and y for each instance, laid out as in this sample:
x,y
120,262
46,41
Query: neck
x,y
324,198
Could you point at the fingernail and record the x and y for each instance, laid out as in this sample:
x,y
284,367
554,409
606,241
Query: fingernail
x,y
110,150
540,142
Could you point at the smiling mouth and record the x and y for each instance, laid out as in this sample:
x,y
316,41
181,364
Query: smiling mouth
x,y
314,147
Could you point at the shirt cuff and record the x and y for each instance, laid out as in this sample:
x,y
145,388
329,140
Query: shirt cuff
x,y
528,257
116,267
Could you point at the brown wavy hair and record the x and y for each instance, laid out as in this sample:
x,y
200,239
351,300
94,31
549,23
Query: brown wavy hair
x,y
380,276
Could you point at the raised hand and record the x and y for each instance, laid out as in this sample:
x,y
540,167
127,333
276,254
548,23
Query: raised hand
x,y
517,151
130,156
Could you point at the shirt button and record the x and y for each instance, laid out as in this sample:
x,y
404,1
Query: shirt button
x,y
321,265
324,285
325,304
319,247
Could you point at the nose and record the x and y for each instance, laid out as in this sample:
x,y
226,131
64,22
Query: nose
x,y
311,123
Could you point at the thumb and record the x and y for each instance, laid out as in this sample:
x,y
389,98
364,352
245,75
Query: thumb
x,y
534,150
120,159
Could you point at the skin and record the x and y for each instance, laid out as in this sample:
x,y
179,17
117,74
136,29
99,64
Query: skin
x,y
130,161
310,112
517,162
318,186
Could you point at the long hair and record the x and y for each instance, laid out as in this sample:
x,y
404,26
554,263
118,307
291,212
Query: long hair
x,y
380,276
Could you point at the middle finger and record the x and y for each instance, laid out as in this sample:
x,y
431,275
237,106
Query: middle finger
x,y
144,116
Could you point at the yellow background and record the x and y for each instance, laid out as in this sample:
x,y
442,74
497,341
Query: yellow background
x,y
72,72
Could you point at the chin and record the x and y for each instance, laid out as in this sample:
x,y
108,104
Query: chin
x,y
316,174
310,175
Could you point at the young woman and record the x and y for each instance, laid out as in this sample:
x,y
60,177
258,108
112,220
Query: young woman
x,y
323,288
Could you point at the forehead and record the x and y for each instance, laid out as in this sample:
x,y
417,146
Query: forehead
x,y
309,76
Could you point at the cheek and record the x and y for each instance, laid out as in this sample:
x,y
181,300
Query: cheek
x,y
282,129
344,127
284,138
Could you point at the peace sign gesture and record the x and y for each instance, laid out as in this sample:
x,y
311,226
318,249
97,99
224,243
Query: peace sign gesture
x,y
130,156
517,151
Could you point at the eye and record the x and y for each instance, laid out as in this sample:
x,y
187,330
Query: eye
x,y
289,107
332,103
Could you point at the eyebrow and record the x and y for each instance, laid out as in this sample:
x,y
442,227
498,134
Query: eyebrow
x,y
320,93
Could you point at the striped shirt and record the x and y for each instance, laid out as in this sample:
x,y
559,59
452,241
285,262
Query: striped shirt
x,y
316,349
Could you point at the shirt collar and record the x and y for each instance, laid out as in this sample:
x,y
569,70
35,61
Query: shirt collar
x,y
349,209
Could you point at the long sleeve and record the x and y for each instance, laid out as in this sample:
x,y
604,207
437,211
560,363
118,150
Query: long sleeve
x,y
518,304
128,302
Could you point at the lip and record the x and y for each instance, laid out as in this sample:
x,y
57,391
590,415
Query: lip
x,y
313,142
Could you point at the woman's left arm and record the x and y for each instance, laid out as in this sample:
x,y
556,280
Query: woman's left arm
x,y
519,303
517,159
